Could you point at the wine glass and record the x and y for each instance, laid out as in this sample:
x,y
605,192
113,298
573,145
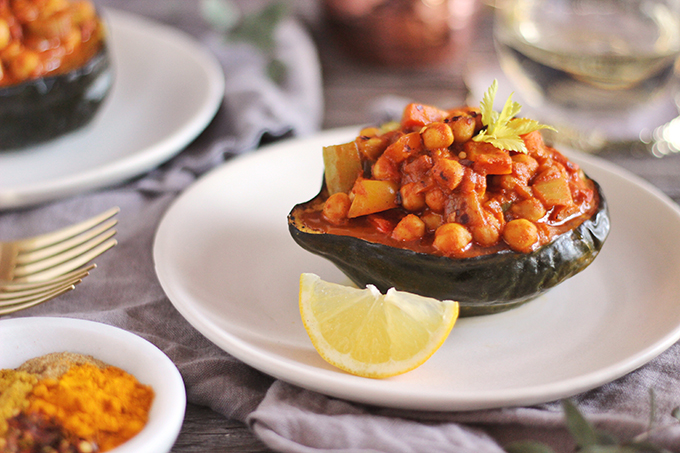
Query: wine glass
x,y
598,70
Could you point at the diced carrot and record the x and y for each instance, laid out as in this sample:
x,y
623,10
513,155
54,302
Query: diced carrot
x,y
418,115
404,147
381,224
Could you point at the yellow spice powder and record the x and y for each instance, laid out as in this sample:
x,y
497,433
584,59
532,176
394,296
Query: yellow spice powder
x,y
14,387
107,406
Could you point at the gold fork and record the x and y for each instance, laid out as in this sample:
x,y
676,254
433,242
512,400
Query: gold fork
x,y
37,269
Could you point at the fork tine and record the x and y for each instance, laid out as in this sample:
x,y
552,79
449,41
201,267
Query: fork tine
x,y
67,266
16,297
54,237
10,288
36,300
69,254
49,251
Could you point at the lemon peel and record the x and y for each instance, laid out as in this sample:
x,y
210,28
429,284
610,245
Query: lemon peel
x,y
366,333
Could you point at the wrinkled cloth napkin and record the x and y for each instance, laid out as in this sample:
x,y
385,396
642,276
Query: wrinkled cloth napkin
x,y
124,290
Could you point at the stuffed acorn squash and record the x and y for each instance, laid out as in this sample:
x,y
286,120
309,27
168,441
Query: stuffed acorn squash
x,y
466,204
55,69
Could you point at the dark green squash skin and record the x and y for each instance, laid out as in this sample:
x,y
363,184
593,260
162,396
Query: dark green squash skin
x,y
482,285
43,109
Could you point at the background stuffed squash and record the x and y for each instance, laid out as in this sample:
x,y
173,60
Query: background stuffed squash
x,y
55,69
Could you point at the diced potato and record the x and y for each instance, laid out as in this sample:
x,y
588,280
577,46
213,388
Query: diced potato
x,y
448,173
342,167
371,147
370,196
553,192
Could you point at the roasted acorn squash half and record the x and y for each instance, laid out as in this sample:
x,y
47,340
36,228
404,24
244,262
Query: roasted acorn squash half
x,y
466,204
38,104
482,285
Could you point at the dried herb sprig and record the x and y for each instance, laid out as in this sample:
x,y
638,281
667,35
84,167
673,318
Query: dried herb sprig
x,y
590,440
258,28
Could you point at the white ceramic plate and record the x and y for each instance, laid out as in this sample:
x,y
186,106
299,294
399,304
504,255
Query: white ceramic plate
x,y
225,258
26,338
167,88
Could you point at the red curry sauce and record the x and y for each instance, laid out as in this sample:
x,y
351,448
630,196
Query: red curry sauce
x,y
427,186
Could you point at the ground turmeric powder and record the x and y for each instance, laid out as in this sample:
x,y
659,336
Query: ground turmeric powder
x,y
107,406
14,387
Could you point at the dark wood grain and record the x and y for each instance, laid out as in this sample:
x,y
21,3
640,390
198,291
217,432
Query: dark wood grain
x,y
206,431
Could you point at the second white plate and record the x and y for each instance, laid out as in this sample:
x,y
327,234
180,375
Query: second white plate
x,y
166,90
225,258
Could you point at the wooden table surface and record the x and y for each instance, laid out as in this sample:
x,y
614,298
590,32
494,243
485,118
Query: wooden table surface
x,y
350,89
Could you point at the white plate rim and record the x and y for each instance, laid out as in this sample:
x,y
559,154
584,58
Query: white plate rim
x,y
167,411
144,159
345,386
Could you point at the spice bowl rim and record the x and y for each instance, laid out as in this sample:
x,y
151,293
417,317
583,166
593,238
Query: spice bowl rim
x,y
24,338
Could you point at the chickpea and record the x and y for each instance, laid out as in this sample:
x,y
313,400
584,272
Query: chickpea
x,y
385,170
463,128
521,235
531,209
452,239
432,220
410,228
49,7
485,235
25,65
57,25
82,10
412,197
435,199
437,135
336,207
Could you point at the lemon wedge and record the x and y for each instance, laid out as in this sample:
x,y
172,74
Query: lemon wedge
x,y
369,334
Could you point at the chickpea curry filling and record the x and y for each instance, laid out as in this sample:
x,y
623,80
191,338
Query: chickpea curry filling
x,y
41,38
435,183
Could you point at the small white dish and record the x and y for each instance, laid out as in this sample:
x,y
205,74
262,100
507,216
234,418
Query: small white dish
x,y
167,88
26,338
225,258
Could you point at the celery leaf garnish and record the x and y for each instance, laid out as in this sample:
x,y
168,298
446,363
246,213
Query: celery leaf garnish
x,y
504,130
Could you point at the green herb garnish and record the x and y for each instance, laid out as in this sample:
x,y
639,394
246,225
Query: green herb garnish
x,y
503,130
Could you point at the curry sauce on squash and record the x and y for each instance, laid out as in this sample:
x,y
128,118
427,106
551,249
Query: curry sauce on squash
x,y
426,185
